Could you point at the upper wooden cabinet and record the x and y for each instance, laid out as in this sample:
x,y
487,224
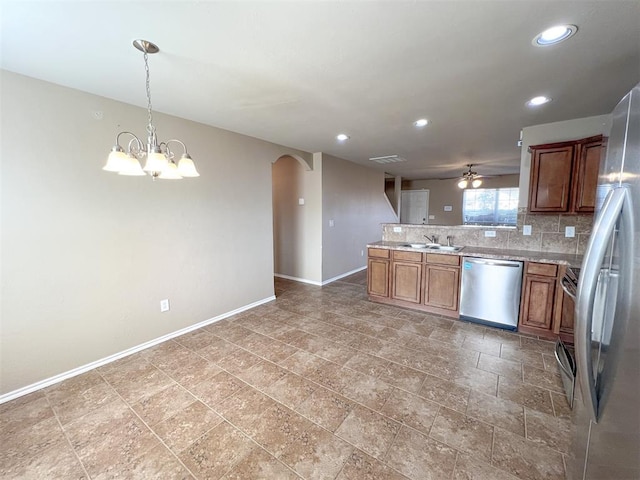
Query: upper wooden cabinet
x,y
564,176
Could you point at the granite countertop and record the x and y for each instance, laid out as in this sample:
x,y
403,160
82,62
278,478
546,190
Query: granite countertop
x,y
497,253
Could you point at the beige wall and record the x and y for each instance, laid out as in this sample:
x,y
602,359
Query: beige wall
x,y
353,199
446,192
555,132
297,228
87,255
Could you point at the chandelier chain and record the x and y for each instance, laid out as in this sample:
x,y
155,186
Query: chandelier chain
x,y
150,127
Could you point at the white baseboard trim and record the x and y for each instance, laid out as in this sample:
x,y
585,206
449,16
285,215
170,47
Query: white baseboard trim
x,y
344,275
296,279
116,356
319,284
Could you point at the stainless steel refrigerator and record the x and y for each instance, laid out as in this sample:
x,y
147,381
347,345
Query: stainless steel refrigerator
x,y
607,329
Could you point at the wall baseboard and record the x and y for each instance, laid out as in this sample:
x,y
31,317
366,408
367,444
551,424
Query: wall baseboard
x,y
319,284
116,356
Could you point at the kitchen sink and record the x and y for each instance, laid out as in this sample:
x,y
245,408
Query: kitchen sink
x,y
434,246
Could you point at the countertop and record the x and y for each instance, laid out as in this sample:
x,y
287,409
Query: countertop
x,y
497,253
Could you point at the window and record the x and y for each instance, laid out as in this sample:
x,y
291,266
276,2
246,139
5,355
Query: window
x,y
490,206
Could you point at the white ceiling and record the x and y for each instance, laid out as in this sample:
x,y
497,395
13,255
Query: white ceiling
x,y
298,73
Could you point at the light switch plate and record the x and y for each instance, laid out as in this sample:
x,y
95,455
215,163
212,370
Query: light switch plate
x,y
397,229
526,230
569,232
448,208
164,305
490,233
331,223
432,217
301,201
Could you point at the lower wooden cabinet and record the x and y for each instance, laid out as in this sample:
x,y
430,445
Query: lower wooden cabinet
x,y
427,282
441,285
544,310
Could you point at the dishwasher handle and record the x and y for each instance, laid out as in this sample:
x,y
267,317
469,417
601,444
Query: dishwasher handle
x,y
498,263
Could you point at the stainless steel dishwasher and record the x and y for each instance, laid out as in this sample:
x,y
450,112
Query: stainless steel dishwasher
x,y
490,292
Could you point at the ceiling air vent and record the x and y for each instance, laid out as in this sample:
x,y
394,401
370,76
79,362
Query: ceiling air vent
x,y
388,159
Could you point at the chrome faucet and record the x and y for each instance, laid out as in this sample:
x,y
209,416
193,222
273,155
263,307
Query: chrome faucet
x,y
433,239
449,239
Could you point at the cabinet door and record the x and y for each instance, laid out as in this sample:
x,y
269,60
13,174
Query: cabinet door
x,y
585,181
537,302
378,277
405,281
441,286
550,185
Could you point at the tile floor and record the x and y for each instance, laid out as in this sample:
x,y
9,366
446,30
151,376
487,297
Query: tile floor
x,y
318,384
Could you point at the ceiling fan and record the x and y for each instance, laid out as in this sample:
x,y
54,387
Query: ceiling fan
x,y
469,178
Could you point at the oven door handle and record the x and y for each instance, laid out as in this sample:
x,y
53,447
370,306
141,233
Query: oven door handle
x,y
568,287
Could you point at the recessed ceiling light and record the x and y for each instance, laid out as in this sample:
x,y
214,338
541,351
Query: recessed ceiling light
x,y
421,123
342,137
537,101
554,35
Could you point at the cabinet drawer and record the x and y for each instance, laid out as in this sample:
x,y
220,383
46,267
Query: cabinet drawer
x,y
443,259
407,256
379,252
544,269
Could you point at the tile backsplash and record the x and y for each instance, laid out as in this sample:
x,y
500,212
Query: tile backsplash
x,y
547,233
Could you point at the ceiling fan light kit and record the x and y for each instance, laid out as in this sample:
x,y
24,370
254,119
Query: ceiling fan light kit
x,y
159,158
469,178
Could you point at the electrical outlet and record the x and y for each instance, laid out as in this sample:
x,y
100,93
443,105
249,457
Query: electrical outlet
x,y
164,305
448,208
432,217
490,233
397,229
331,223
362,253
301,201
569,232
526,230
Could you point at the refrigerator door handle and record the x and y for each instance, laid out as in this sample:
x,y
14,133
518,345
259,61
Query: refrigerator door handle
x,y
603,228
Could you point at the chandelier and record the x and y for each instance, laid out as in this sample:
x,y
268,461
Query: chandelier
x,y
469,177
158,157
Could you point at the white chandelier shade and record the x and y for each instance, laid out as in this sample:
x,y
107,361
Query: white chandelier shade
x,y
159,159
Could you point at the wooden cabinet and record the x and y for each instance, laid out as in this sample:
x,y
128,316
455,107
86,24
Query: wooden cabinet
x,y
378,272
442,282
427,282
538,298
406,276
564,176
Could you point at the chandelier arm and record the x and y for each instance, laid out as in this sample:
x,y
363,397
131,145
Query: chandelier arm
x,y
140,146
127,133
180,142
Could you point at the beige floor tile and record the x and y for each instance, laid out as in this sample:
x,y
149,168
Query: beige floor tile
x,y
291,390
367,364
158,462
519,354
402,377
550,431
526,459
419,457
259,465
543,379
55,461
21,401
19,446
368,391
527,395
369,431
217,452
463,433
191,374
496,411
25,416
142,381
561,406
361,466
196,339
469,467
218,387
445,393
238,361
455,337
411,409
162,405
500,366
186,426
262,375
482,345
244,408
326,408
